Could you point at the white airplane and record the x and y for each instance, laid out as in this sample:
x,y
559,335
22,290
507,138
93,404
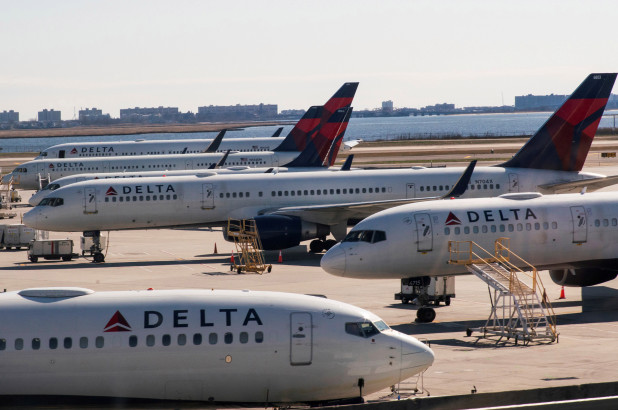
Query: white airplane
x,y
307,137
575,236
210,345
77,150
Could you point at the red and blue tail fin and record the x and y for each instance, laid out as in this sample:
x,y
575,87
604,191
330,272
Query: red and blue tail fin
x,y
316,152
338,130
308,126
563,142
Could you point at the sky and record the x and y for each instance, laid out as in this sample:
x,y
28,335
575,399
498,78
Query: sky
x,y
113,54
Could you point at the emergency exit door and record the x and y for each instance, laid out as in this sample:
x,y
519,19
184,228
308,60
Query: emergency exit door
x,y
301,339
424,232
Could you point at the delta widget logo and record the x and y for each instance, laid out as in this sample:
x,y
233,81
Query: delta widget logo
x,y
111,192
117,324
451,219
74,151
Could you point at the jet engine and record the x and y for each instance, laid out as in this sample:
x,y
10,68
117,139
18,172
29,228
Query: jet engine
x,y
282,232
582,276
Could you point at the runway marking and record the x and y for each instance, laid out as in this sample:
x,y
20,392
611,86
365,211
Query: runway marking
x,y
146,269
171,254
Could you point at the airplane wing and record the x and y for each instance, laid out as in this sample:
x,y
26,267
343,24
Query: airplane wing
x,y
214,145
330,214
575,186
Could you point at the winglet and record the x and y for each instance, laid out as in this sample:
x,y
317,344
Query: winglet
x,y
461,186
221,161
348,163
214,145
563,142
277,133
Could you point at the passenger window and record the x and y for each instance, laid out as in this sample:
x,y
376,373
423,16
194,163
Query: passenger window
x,y
133,341
466,229
228,338
259,337
520,227
243,337
554,225
501,228
475,229
511,228
19,344
597,223
53,343
447,230
605,222
457,230
83,342
484,229
99,342
150,340
182,339
68,343
212,338
2,344
36,343
545,225
166,340
537,226
493,228
528,227
197,339
614,222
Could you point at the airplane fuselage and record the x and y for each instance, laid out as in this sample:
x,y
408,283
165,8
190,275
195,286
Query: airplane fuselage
x,y
550,232
176,201
155,147
239,346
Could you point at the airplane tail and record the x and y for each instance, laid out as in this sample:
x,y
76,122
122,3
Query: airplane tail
x,y
315,153
309,126
329,156
563,142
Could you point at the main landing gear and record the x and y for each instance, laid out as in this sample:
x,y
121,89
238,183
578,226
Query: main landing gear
x,y
319,245
96,250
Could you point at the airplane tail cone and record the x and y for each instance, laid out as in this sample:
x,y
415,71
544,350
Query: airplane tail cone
x,y
562,294
280,258
215,252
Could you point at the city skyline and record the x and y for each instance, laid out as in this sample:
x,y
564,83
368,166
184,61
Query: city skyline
x,y
112,55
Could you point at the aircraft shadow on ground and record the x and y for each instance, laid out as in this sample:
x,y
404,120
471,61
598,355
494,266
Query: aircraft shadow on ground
x,y
599,305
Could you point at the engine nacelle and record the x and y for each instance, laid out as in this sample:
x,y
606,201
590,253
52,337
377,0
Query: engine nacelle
x,y
282,232
582,276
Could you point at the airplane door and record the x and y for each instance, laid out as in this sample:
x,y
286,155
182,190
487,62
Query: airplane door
x,y
90,201
424,232
580,227
208,196
513,183
301,339
61,153
410,191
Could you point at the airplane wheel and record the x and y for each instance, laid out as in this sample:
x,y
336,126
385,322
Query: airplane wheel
x,y
468,332
447,302
270,268
316,246
34,259
405,301
239,271
425,315
66,258
329,243
99,258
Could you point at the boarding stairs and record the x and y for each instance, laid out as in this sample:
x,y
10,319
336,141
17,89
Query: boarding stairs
x,y
7,196
248,246
520,309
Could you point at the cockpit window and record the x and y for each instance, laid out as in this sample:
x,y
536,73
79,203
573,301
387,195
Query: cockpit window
x,y
362,329
365,236
51,187
21,169
51,202
381,325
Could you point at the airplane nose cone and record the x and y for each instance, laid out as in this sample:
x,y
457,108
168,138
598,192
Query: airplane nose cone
x,y
415,356
333,261
30,218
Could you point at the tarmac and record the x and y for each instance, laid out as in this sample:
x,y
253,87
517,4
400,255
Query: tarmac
x,y
185,258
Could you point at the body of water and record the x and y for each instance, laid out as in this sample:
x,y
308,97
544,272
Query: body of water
x,y
367,129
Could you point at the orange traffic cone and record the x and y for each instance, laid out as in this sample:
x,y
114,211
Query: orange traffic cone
x,y
562,294
232,259
280,258
215,251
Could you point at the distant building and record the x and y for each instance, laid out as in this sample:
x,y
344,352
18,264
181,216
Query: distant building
x,y
439,108
48,115
9,116
387,106
155,114
237,112
93,116
539,102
